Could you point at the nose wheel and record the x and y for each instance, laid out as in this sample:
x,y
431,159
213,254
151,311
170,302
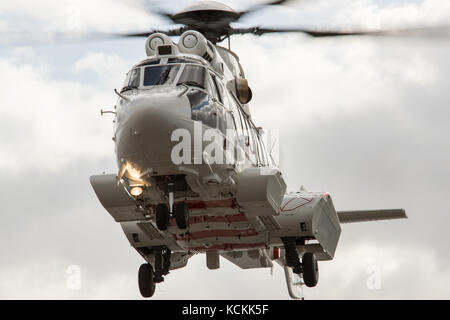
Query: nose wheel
x,y
182,215
162,216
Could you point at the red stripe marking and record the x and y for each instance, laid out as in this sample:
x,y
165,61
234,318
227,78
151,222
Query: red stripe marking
x,y
228,247
217,233
199,204
228,218
217,219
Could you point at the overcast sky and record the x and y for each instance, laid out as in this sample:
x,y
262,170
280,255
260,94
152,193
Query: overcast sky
x,y
366,119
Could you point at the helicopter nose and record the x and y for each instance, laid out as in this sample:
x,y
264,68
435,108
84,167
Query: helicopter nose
x,y
145,127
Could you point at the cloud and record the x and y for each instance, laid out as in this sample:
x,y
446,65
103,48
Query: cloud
x,y
82,15
351,272
47,123
365,119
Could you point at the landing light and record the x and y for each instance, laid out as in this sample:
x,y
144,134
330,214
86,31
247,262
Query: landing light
x,y
136,191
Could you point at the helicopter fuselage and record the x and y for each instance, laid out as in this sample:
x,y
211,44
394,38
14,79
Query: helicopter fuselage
x,y
195,175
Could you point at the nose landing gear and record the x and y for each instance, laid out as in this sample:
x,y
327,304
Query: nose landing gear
x,y
178,210
162,216
181,213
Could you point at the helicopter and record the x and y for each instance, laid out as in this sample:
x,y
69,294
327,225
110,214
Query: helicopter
x,y
195,174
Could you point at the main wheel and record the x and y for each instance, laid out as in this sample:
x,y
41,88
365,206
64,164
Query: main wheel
x,y
181,215
310,269
162,216
145,279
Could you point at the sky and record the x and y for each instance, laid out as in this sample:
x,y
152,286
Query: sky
x,y
366,119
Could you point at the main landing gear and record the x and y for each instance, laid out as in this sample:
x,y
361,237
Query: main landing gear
x,y
149,277
310,269
308,266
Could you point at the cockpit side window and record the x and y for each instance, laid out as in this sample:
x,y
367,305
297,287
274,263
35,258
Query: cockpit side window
x,y
134,77
159,75
127,79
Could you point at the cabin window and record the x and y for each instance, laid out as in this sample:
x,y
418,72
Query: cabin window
x,y
216,90
222,119
262,151
237,119
202,108
159,75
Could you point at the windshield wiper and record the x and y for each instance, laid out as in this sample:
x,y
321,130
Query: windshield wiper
x,y
191,83
163,77
126,88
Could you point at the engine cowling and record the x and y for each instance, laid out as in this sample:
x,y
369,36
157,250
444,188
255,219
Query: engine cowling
x,y
154,41
193,42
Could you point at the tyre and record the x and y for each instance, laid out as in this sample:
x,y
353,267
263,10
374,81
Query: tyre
x,y
310,269
162,216
181,215
145,279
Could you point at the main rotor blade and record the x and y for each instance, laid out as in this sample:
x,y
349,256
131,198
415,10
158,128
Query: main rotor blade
x,y
163,14
14,39
261,6
25,38
173,32
434,31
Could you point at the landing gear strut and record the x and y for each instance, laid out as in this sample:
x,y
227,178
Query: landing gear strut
x,y
292,258
162,263
162,216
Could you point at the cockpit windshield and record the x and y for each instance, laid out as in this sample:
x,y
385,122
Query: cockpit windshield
x,y
193,76
158,75
166,74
